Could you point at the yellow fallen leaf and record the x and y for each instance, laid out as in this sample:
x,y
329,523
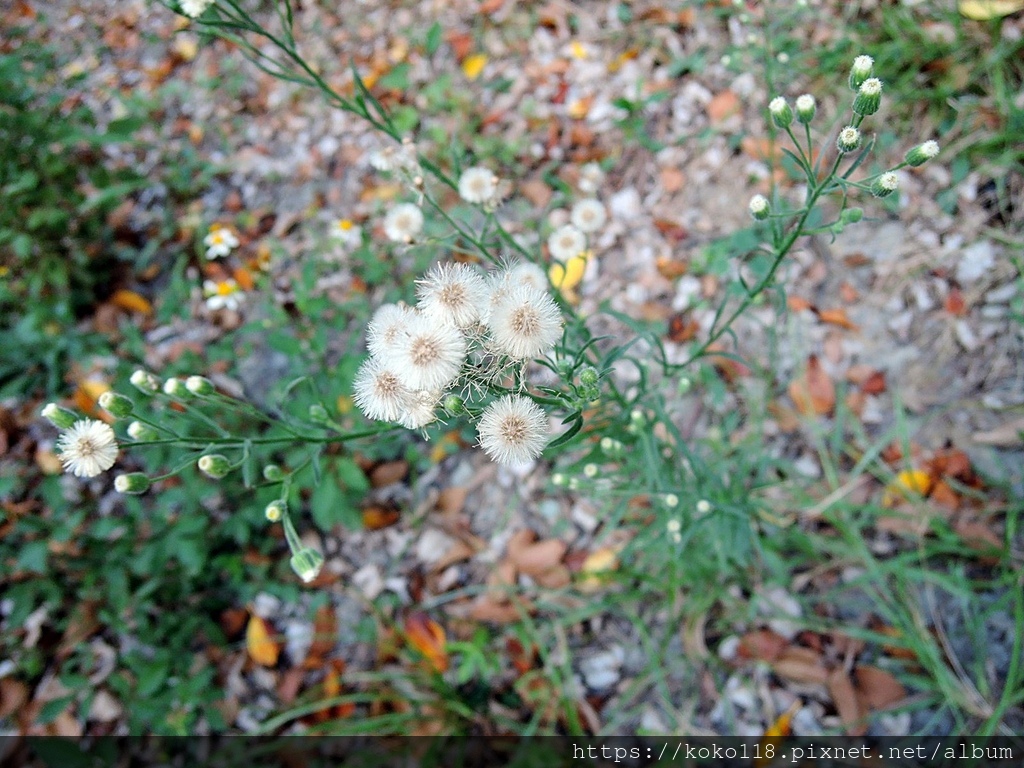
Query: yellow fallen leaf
x,y
258,642
907,484
595,568
578,50
567,276
130,301
984,10
186,47
473,65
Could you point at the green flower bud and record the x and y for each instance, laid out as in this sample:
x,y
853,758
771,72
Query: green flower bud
x,y
782,115
862,69
175,388
197,385
590,393
849,139
116,405
318,413
275,510
805,108
139,431
760,208
307,563
589,376
61,418
885,185
134,483
454,404
145,382
869,97
273,473
214,465
922,153
852,215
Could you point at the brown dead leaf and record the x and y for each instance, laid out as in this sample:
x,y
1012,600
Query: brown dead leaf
x,y
943,495
671,230
798,303
81,624
837,317
762,645
855,402
848,293
452,500
672,179
556,577
955,303
232,622
801,665
787,419
13,696
375,518
518,541
289,684
389,472
876,688
979,536
844,696
522,659
325,632
813,392
761,148
723,106
537,192
427,636
457,553
535,559
260,643
669,268
682,327
874,384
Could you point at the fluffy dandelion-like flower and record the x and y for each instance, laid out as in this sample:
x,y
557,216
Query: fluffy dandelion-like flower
x,y
452,293
478,185
87,448
805,108
869,97
346,233
885,184
566,242
513,430
380,392
422,409
403,223
388,323
429,355
526,274
588,215
219,242
525,323
195,8
591,177
222,294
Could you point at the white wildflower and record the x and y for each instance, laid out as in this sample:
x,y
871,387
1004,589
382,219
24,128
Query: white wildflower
x,y
566,242
403,223
530,275
429,355
452,293
513,430
219,242
422,409
388,323
346,233
525,323
195,8
478,185
379,391
87,448
588,215
222,294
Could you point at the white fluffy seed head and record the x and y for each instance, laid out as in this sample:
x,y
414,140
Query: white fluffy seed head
x,y
525,323
513,430
379,391
429,355
805,103
386,326
87,448
930,149
566,242
452,293
478,185
588,215
403,223
527,274
422,409
871,87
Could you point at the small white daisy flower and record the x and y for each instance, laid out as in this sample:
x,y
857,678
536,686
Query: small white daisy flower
x,y
422,409
566,242
588,215
513,430
379,391
478,185
219,242
403,223
346,233
530,275
429,355
195,8
452,293
525,323
222,294
87,448
388,323
591,177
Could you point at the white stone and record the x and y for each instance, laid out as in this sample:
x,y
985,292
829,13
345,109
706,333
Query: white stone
x,y
976,260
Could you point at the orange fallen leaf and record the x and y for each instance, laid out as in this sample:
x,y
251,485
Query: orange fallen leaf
x,y
130,301
762,645
783,725
813,392
723,106
906,485
763,149
955,303
427,636
325,632
837,317
798,303
244,279
801,665
535,559
260,644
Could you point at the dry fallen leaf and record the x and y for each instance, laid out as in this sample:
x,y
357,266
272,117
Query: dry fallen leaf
x,y
535,559
130,301
762,645
837,317
877,688
427,636
844,696
596,568
375,518
813,392
801,665
259,642
723,106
